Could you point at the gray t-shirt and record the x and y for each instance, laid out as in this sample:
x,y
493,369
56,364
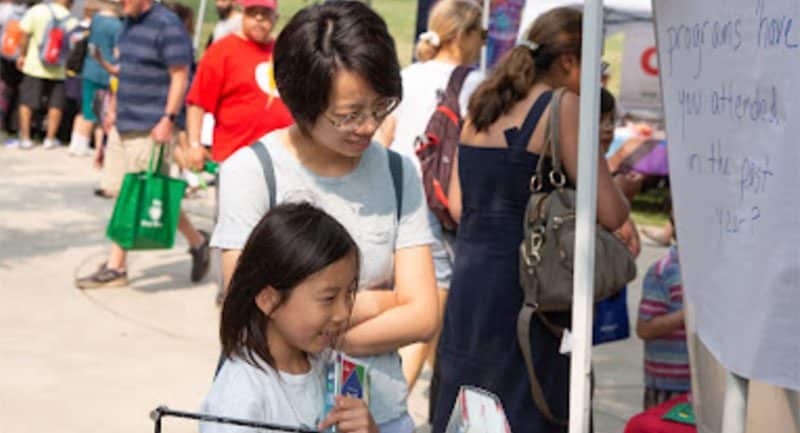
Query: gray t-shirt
x,y
363,201
266,395
225,27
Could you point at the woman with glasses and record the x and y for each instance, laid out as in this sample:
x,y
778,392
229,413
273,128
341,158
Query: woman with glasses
x,y
454,38
336,70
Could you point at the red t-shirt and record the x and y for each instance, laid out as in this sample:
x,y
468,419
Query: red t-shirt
x,y
235,82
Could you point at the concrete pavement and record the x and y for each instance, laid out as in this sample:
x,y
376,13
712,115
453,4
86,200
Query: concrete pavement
x,y
99,361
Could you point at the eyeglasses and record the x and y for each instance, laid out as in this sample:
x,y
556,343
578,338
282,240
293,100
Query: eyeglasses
x,y
353,121
484,34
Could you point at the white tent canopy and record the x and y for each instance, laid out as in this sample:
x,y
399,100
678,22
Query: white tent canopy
x,y
616,13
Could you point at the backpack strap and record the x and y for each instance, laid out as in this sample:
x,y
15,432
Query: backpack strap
x,y
265,159
455,84
396,169
58,20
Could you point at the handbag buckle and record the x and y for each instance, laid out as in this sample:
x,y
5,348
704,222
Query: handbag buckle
x,y
536,183
534,305
557,179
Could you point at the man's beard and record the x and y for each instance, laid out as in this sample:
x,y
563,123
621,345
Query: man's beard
x,y
224,13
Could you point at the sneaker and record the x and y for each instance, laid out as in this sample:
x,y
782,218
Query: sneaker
x,y
201,258
51,143
100,192
103,277
26,144
11,143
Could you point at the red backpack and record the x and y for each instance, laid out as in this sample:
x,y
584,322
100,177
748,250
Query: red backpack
x,y
55,44
436,148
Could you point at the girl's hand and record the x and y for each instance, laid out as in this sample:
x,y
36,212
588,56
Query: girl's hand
x,y
350,415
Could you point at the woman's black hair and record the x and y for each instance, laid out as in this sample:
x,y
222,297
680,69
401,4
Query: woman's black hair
x,y
607,101
323,38
290,243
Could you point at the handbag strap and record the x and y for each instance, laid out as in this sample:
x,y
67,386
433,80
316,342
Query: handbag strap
x,y
525,344
157,168
529,306
552,145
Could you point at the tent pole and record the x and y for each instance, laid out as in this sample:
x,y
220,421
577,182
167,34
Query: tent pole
x,y
198,25
487,6
586,210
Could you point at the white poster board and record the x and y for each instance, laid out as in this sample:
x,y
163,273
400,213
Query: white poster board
x,y
640,89
732,105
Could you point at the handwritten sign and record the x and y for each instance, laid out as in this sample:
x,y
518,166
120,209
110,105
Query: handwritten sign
x,y
729,72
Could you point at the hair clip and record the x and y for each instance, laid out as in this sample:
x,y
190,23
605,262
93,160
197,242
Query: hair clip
x,y
533,46
431,37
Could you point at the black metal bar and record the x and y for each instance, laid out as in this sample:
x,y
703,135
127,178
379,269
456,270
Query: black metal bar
x,y
163,411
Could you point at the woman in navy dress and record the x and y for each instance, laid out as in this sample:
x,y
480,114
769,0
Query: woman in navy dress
x,y
501,141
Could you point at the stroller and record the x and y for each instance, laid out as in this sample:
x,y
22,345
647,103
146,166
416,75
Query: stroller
x,y
162,411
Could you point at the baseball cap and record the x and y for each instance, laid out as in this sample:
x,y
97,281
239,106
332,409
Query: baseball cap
x,y
271,4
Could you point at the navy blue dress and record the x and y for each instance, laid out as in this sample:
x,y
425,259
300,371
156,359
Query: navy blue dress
x,y
479,344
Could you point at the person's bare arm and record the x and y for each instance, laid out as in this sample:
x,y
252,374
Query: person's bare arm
x,y
194,123
178,78
370,304
454,191
23,50
660,326
415,314
612,207
105,64
229,260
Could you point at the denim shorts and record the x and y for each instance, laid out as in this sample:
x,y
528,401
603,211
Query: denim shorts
x,y
403,424
443,251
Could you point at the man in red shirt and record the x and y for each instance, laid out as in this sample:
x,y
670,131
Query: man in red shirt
x,y
234,82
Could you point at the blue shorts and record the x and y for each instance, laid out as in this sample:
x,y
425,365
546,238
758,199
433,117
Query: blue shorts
x,y
403,424
443,251
89,88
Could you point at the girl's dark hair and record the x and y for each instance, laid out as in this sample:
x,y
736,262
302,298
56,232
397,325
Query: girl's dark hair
x,y
323,38
607,101
556,32
289,244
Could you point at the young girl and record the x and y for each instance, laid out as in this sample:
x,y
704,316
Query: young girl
x,y
289,300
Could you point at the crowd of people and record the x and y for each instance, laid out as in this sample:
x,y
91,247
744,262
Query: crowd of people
x,y
322,211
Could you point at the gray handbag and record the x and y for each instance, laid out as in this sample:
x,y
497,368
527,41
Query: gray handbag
x,y
547,252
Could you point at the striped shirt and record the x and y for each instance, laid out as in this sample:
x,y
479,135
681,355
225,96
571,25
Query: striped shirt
x,y
666,359
148,45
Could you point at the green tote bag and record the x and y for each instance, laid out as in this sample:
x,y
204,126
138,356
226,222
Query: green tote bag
x,y
147,209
